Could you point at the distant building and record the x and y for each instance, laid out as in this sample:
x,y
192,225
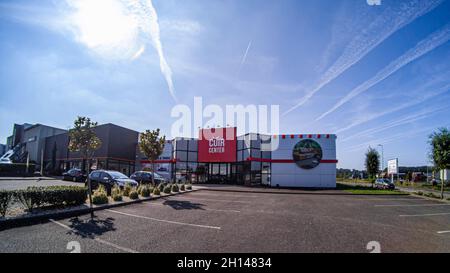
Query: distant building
x,y
117,152
28,141
2,149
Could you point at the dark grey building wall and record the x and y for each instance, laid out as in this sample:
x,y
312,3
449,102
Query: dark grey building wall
x,y
117,142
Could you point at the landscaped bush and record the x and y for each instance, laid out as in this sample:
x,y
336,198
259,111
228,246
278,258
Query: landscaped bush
x,y
127,189
175,188
100,197
145,191
30,198
188,187
167,189
5,200
419,193
16,169
156,191
182,187
161,187
133,194
116,194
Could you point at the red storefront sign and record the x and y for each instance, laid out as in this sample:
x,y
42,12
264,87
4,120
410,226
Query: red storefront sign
x,y
217,145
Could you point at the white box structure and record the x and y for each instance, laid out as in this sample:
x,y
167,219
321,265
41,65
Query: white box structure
x,y
305,160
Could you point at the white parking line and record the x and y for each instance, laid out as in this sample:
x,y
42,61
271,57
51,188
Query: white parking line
x,y
94,238
161,220
207,209
425,215
207,199
393,199
415,205
444,231
228,194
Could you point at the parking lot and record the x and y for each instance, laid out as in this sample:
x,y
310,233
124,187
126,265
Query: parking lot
x,y
221,221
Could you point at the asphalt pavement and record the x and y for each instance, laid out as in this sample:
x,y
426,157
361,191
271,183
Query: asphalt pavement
x,y
212,221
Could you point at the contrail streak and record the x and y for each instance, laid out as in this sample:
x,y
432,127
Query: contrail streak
x,y
244,58
378,31
149,23
423,47
427,95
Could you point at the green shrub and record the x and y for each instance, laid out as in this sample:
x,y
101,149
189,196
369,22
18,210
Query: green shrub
x,y
30,198
127,189
145,191
5,200
167,189
117,197
99,198
188,187
182,187
156,191
161,187
116,194
175,188
419,193
133,194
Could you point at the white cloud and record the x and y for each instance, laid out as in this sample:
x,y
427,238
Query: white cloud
x,y
370,37
423,47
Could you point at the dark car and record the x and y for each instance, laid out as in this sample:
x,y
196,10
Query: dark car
x,y
110,179
383,183
146,177
75,175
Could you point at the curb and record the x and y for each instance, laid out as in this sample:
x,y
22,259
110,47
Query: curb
x,y
35,219
306,193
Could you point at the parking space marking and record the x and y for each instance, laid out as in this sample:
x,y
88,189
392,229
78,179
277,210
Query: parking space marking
x,y
162,220
125,249
443,232
425,215
207,209
224,194
415,205
217,200
393,199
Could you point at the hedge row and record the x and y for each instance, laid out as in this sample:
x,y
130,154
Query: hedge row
x,y
35,197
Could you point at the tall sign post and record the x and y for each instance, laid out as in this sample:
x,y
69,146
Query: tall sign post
x,y
393,168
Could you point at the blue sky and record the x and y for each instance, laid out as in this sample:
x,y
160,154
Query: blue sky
x,y
371,74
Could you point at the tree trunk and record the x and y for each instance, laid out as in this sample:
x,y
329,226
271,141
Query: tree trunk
x,y
153,174
89,188
442,188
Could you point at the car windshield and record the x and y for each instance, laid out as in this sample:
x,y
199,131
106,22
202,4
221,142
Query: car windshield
x,y
117,175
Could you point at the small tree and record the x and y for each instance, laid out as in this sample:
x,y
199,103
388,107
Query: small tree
x,y
152,146
83,139
372,163
440,152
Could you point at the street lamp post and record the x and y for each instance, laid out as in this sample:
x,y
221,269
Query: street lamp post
x,y
382,157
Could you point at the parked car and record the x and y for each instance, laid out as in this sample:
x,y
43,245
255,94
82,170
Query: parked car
x,y
384,183
109,179
75,175
145,177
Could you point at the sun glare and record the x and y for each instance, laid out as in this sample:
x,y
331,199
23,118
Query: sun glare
x,y
105,26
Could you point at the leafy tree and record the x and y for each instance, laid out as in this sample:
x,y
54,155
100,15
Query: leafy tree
x,y
372,163
83,139
152,146
440,151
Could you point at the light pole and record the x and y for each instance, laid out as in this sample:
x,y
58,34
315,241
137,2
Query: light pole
x,y
382,157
